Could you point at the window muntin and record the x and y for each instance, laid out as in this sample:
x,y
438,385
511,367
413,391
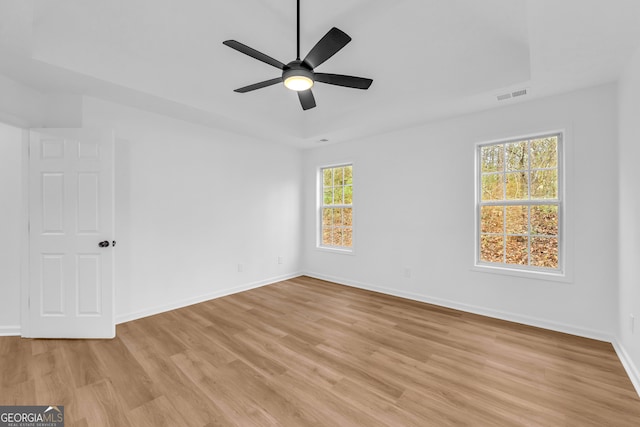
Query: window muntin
x,y
336,207
520,204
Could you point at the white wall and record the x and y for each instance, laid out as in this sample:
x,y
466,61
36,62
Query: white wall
x,y
26,107
193,203
414,207
62,111
20,104
10,231
629,180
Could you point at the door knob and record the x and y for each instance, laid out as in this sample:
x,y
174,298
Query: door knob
x,y
104,244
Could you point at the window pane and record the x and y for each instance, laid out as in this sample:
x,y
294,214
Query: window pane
x,y
517,186
337,217
328,196
517,156
492,158
347,237
337,195
492,219
492,187
327,177
348,195
544,252
347,217
491,248
517,250
544,220
348,175
517,220
326,236
544,153
327,217
338,176
337,237
544,184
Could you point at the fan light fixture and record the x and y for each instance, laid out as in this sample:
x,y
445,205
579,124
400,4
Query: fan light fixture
x,y
298,83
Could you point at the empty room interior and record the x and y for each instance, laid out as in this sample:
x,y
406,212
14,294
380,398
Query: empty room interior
x,y
320,213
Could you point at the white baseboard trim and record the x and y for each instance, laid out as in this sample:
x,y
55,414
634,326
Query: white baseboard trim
x,y
10,331
122,318
511,317
629,366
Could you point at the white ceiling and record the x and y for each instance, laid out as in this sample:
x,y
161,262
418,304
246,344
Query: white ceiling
x,y
429,59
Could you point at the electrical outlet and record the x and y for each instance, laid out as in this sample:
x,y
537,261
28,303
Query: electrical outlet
x,y
406,272
633,323
240,268
280,260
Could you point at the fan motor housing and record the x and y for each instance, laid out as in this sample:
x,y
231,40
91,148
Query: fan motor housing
x,y
297,68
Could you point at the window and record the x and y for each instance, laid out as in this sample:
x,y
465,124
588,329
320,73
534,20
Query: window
x,y
519,209
336,207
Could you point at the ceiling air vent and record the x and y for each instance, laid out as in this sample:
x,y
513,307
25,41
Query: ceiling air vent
x,y
513,94
519,93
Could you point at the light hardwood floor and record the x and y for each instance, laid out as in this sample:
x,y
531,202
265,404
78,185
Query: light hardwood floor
x,y
305,352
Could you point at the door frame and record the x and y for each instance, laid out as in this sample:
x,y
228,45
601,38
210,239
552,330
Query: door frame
x,y
24,227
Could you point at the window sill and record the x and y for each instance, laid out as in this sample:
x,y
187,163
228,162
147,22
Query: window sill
x,y
342,251
555,276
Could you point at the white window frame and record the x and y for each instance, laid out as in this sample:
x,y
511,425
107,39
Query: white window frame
x,y
320,205
515,269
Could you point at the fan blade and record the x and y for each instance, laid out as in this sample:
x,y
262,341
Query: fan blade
x,y
306,99
253,53
328,46
259,85
340,80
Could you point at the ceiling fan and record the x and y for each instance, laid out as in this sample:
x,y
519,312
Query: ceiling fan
x,y
299,75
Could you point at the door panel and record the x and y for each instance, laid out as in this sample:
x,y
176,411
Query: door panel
x,y
53,203
52,285
88,202
89,275
70,212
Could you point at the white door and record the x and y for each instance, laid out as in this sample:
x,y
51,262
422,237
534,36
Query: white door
x,y
71,290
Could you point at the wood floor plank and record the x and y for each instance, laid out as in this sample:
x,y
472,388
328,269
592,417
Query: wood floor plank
x,y
189,402
56,389
159,412
13,370
134,386
306,352
100,404
235,403
327,405
18,394
82,363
